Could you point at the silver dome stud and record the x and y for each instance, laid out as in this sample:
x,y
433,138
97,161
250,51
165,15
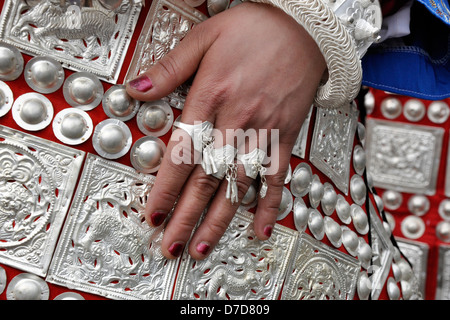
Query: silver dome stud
x,y
6,98
11,62
301,180
72,126
118,104
147,153
27,286
155,118
112,139
83,90
44,74
32,111
285,205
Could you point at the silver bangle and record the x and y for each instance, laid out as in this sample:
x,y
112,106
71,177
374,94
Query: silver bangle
x,y
343,30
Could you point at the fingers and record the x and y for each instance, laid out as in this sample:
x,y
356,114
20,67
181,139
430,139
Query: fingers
x,y
268,207
219,215
175,68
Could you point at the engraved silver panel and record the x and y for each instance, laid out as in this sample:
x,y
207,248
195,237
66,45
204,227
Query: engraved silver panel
x,y
299,148
443,274
92,39
37,179
332,143
403,157
167,23
417,254
382,253
106,247
240,267
320,272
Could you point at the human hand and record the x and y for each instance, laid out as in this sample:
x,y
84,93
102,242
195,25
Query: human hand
x,y
255,68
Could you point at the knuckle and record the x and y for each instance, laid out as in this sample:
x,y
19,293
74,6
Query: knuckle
x,y
217,226
167,198
169,66
206,185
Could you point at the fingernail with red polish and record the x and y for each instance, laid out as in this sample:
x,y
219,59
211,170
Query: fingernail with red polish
x,y
157,218
141,83
203,248
175,249
268,230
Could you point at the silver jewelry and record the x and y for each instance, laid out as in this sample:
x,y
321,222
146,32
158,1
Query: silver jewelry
x,y
253,166
223,158
343,30
200,133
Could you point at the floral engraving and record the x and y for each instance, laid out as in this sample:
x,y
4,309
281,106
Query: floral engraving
x,y
332,143
36,184
240,267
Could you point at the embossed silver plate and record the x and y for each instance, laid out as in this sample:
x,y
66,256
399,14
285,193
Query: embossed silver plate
x,y
118,104
240,266
106,247
403,157
32,111
417,254
299,148
167,23
72,126
37,181
112,138
332,143
6,98
70,36
155,118
83,90
382,253
27,286
443,274
44,74
147,153
319,272
3,280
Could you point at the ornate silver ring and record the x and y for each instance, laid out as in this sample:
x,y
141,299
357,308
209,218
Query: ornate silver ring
x,y
253,165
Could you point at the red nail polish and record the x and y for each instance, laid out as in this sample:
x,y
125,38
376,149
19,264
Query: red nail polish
x,y
141,83
157,218
203,248
268,231
175,249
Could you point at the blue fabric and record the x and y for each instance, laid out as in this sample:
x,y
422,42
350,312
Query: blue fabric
x,y
417,65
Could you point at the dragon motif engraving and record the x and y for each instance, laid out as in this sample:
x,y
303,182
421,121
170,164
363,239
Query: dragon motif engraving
x,y
108,246
87,38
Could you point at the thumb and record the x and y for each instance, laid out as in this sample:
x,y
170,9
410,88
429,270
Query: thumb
x,y
175,68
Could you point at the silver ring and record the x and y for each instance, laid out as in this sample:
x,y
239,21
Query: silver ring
x,y
223,158
200,133
253,165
